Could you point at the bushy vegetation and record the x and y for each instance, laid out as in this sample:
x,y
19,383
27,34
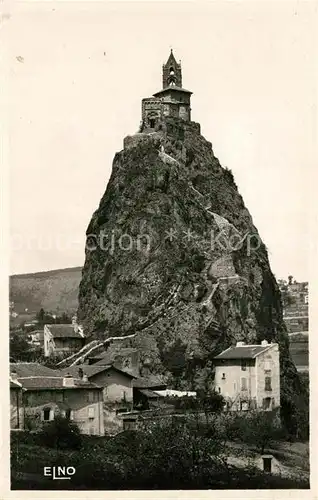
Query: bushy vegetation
x,y
165,454
47,318
60,433
258,429
210,402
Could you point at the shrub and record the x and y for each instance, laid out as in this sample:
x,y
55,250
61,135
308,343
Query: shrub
x,y
259,428
166,454
60,433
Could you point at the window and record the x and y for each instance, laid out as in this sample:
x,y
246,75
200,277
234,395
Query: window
x,y
46,414
91,412
266,403
68,414
219,388
129,424
243,384
267,464
152,123
223,376
90,396
243,365
268,383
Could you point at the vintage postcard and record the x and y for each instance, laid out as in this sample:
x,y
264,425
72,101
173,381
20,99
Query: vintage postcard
x,y
159,183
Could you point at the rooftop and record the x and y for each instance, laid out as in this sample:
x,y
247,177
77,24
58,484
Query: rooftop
x,y
108,356
64,331
32,369
149,393
14,384
45,383
173,87
91,370
150,382
244,351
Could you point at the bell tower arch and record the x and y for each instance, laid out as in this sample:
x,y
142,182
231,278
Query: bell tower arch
x,y
171,73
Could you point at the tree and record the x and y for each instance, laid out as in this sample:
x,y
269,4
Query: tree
x,y
61,433
19,347
211,402
175,361
40,316
259,428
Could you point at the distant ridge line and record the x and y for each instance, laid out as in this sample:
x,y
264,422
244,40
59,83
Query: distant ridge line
x,y
46,273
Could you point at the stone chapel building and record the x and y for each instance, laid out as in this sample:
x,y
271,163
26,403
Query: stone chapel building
x,y
173,100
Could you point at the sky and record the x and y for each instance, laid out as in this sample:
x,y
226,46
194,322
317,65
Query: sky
x,y
77,72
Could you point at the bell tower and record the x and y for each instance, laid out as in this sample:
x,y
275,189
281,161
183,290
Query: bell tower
x,y
172,100
171,73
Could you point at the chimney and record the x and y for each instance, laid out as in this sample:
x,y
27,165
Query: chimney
x,y
85,378
68,381
74,323
264,343
240,344
80,373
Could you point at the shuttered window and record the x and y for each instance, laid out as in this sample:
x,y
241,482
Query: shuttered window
x,y
47,414
268,383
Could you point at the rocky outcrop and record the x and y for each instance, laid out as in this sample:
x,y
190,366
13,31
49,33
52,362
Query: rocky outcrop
x,y
173,255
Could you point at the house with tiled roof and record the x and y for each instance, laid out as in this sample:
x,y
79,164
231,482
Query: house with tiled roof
x,y
117,390
62,339
46,393
27,369
116,383
248,376
126,358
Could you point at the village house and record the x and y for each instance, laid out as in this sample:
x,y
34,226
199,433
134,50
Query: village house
x,y
47,393
62,339
116,383
145,393
125,358
248,376
117,391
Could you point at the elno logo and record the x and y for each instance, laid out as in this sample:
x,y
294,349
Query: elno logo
x,y
59,472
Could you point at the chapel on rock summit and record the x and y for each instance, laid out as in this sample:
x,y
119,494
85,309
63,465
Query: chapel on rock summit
x,y
173,100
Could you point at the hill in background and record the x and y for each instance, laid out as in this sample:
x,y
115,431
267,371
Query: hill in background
x,y
56,291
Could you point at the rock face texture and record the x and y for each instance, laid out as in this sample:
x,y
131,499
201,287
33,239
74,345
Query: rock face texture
x,y
172,255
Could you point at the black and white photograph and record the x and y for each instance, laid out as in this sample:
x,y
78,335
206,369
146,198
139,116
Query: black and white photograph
x,y
159,188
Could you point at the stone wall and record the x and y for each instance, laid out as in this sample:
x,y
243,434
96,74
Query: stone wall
x,y
86,410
